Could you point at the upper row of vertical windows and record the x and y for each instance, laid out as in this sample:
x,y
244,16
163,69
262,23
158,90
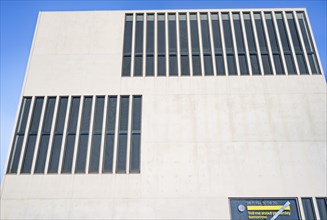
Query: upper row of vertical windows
x,y
218,43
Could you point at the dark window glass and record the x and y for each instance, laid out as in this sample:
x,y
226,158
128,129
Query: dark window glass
x,y
110,135
322,207
33,130
251,44
138,45
97,134
136,134
46,129
220,69
206,44
150,45
308,209
196,61
285,43
161,45
229,45
42,154
274,44
173,68
184,52
240,45
28,157
308,43
126,70
122,138
57,139
71,135
262,43
296,43
84,135
19,135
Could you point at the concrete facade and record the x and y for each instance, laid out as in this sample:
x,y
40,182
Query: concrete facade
x,y
204,139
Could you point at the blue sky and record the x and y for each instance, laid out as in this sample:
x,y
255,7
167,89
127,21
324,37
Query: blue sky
x,y
18,20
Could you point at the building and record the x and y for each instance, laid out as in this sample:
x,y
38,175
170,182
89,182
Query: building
x,y
211,114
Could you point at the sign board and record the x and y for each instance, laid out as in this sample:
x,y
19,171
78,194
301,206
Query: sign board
x,y
264,208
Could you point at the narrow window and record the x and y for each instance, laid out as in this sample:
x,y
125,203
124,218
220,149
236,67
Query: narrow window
x,y
206,45
32,134
220,68
296,43
274,45
96,135
229,45
136,135
173,68
251,44
184,52
71,136
196,61
19,135
149,45
289,59
161,46
308,43
240,45
84,135
122,135
308,209
110,135
127,51
58,133
263,45
138,62
45,136
322,207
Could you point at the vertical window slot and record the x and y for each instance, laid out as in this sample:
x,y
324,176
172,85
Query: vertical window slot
x,y
322,207
217,41
251,44
127,48
172,37
122,135
161,45
135,154
32,135
296,43
45,136
110,135
206,45
58,134
70,136
96,135
263,45
289,59
150,45
308,43
138,61
84,135
184,51
196,60
229,45
240,44
274,45
19,135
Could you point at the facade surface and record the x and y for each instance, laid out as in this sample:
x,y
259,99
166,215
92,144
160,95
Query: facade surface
x,y
167,115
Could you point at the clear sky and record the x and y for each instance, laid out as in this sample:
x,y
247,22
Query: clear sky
x,y
18,20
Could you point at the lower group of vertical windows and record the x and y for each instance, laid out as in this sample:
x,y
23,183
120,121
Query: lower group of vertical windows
x,y
218,43
309,211
77,134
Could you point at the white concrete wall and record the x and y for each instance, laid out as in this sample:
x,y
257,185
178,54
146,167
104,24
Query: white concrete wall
x,y
204,139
